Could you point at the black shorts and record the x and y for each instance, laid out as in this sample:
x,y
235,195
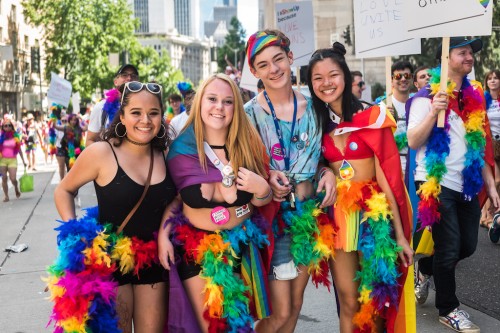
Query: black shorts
x,y
149,275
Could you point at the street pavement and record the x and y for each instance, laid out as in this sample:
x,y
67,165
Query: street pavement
x,y
24,307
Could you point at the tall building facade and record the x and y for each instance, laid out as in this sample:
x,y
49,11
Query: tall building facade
x,y
22,88
155,16
187,16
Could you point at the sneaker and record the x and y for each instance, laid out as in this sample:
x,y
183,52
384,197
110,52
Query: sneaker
x,y
458,320
422,284
494,231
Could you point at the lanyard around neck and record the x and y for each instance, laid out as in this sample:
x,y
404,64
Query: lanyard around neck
x,y
213,157
279,133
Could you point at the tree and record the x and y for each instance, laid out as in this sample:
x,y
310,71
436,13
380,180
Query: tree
x,y
79,36
235,40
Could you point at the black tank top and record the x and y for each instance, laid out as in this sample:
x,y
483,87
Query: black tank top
x,y
116,200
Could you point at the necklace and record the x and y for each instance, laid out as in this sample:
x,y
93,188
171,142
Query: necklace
x,y
137,143
221,147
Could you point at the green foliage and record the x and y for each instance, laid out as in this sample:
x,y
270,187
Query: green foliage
x,y
79,35
235,40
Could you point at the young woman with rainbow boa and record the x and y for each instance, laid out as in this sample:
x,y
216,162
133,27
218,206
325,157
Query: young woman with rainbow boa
x,y
290,130
219,167
372,212
10,147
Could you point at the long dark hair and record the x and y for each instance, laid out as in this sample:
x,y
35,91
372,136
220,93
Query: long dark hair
x,y
350,104
110,133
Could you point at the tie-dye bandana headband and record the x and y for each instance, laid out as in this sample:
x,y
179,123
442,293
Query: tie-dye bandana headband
x,y
259,41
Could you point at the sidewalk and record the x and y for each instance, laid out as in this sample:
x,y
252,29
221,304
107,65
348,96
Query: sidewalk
x,y
31,219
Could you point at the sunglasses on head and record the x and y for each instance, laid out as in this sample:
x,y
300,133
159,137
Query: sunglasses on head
x,y
399,76
136,86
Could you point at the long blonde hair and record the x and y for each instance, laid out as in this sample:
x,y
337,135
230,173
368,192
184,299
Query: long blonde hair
x,y
243,143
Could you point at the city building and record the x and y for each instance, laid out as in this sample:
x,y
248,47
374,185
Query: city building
x,y
155,16
194,57
187,16
21,62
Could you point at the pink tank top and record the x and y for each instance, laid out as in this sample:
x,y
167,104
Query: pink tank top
x,y
8,148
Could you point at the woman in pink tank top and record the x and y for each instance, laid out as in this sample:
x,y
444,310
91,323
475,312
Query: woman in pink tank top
x,y
10,144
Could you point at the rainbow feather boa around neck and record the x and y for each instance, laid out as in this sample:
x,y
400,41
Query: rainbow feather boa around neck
x,y
80,280
9,135
438,149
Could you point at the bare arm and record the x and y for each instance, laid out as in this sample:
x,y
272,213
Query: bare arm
x,y
406,254
91,138
489,183
165,247
85,169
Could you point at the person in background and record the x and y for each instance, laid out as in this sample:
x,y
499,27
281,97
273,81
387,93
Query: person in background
x,y
10,147
103,112
491,95
372,214
177,123
358,85
32,137
218,164
175,107
291,131
451,171
421,77
61,152
137,136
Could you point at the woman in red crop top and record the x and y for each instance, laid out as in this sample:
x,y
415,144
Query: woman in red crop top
x,y
371,211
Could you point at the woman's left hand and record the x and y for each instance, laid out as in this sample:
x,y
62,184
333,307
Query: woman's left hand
x,y
251,182
406,253
328,183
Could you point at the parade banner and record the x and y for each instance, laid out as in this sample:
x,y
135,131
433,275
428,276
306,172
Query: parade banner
x,y
441,18
59,90
296,21
380,29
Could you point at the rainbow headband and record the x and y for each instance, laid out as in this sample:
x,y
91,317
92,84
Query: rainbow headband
x,y
259,41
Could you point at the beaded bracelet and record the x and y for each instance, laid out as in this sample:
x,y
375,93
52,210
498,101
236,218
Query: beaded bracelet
x,y
324,170
267,195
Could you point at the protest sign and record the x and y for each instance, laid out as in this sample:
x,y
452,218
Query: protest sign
x,y
380,29
296,21
441,18
59,90
248,81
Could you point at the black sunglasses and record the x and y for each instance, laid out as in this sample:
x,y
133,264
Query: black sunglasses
x,y
399,76
136,86
361,84
7,125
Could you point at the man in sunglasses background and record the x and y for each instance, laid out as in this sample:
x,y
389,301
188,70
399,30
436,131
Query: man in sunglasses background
x,y
358,85
402,79
99,119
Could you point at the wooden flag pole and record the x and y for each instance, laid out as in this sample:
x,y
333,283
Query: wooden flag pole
x,y
445,54
298,78
388,80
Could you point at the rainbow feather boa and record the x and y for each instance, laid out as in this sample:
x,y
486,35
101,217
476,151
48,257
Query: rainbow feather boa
x,y
112,104
227,297
378,286
80,279
438,150
312,238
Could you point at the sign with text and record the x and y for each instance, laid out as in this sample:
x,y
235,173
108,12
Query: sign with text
x,y
248,81
380,29
296,21
448,18
59,90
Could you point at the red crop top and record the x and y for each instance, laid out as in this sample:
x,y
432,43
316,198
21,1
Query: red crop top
x,y
355,149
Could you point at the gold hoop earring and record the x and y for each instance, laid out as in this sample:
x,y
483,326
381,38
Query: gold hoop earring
x,y
116,130
164,132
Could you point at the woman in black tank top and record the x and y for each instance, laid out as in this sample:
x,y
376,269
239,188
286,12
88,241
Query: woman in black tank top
x,y
118,166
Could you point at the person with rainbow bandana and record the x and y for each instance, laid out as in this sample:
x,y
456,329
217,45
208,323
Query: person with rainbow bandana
x,y
289,128
454,164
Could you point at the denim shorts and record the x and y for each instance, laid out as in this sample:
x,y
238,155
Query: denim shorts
x,y
281,253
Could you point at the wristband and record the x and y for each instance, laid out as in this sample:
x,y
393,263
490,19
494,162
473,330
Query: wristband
x,y
324,170
267,195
